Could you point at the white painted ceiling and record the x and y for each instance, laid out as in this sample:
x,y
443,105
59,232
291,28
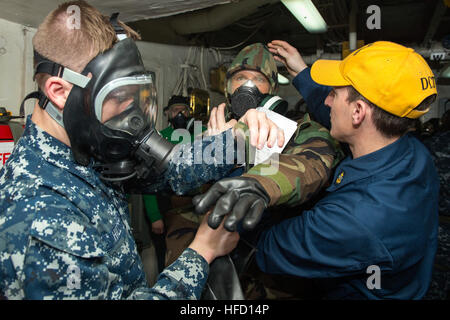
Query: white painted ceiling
x,y
32,12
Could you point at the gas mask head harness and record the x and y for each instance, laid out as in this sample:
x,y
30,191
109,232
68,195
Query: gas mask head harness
x,y
110,113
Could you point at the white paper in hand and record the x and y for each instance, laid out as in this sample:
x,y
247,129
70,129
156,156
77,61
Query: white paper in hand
x,y
289,127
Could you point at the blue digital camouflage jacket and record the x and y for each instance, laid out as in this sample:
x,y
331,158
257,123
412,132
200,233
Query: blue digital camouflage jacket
x,y
64,234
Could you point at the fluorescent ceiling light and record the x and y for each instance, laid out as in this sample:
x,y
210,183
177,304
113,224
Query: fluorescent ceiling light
x,y
445,73
308,15
282,79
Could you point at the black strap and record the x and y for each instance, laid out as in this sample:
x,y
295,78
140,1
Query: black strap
x,y
44,65
51,68
43,100
115,23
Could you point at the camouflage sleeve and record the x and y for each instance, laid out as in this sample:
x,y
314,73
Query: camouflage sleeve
x,y
183,279
208,158
53,274
58,253
304,167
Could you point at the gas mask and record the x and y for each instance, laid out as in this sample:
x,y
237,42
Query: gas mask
x,y
110,117
180,121
248,97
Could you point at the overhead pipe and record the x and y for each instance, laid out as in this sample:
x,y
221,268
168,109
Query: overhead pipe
x,y
423,51
352,27
215,18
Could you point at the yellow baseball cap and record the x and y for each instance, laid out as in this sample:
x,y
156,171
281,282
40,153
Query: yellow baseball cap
x,y
393,77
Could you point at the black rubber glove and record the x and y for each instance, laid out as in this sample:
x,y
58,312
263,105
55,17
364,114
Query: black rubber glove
x,y
242,197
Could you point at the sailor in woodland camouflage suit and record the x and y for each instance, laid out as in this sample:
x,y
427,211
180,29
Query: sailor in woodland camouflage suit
x,y
303,168
64,231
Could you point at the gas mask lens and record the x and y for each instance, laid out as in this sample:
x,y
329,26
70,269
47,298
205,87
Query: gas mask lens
x,y
127,104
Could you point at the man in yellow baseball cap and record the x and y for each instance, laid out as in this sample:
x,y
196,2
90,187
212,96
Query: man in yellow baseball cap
x,y
374,235
391,76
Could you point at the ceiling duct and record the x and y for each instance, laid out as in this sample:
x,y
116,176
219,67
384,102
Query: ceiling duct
x,y
436,52
217,17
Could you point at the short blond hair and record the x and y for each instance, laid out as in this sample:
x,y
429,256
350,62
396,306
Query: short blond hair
x,y
75,47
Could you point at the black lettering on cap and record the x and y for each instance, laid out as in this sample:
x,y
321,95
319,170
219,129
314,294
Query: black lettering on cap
x,y
424,83
432,82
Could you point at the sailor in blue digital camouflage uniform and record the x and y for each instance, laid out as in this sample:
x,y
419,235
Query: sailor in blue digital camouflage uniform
x,y
64,221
